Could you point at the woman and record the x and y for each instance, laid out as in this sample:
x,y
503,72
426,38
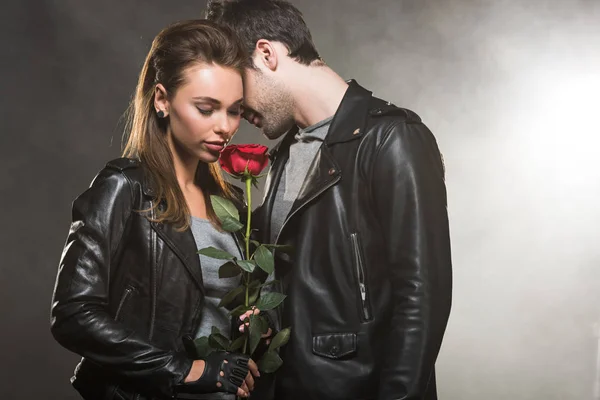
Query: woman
x,y
130,288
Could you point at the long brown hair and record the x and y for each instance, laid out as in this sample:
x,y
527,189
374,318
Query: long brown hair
x,y
173,51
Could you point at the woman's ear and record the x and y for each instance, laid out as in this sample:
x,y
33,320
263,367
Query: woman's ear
x,y
161,102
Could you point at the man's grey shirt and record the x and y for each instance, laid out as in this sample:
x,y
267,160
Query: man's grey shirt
x,y
303,150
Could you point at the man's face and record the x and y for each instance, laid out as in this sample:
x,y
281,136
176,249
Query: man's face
x,y
268,105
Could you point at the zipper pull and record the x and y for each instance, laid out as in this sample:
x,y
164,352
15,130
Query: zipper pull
x,y
363,291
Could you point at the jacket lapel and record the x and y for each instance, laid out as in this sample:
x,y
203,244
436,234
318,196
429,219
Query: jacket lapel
x,y
323,174
348,124
182,243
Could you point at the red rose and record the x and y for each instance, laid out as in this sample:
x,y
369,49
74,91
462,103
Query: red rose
x,y
235,158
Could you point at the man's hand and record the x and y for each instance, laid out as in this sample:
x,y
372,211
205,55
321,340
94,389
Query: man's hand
x,y
245,321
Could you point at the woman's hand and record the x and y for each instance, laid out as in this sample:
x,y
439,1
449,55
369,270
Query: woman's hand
x,y
221,371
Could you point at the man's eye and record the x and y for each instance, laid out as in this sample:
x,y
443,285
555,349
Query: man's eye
x,y
205,112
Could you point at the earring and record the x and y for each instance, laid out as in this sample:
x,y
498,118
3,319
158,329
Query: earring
x,y
160,114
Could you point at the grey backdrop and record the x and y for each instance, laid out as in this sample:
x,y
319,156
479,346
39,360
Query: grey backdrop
x,y
510,88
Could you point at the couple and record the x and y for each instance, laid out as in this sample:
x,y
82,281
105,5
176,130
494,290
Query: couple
x,y
356,186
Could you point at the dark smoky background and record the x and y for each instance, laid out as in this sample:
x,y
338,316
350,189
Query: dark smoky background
x,y
510,89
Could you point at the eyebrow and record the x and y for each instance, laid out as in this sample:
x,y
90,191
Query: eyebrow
x,y
215,101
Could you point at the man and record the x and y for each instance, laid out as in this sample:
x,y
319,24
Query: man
x,y
357,188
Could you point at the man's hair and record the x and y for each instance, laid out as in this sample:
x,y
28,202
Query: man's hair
x,y
275,20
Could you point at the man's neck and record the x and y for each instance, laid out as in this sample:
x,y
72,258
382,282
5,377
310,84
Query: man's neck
x,y
318,92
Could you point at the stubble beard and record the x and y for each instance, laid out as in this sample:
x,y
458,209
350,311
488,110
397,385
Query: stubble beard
x,y
277,110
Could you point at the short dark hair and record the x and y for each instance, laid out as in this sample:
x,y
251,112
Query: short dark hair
x,y
275,20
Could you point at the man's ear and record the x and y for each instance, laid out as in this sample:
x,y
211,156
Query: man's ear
x,y
161,101
266,54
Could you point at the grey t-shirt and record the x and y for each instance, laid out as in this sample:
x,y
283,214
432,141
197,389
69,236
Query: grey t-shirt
x,y
307,143
205,235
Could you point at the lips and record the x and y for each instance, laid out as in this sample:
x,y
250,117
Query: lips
x,y
215,146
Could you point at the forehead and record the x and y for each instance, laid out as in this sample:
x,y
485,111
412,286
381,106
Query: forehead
x,y
210,80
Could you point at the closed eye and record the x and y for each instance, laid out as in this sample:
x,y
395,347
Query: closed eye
x,y
235,111
205,112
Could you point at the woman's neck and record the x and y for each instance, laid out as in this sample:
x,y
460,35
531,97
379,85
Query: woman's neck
x,y
185,166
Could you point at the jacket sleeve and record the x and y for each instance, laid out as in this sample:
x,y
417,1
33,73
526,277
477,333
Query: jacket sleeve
x,y
80,316
409,195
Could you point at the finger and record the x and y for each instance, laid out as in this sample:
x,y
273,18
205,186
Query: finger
x,y
241,328
244,387
253,367
256,311
245,315
268,342
241,393
268,334
250,381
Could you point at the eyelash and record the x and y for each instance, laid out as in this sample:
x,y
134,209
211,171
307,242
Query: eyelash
x,y
208,113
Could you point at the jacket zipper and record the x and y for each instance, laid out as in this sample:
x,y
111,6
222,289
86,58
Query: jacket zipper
x,y
126,294
360,274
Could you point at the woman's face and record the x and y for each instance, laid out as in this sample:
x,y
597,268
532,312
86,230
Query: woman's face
x,y
205,111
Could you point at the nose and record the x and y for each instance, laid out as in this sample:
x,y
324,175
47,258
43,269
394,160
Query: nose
x,y
224,127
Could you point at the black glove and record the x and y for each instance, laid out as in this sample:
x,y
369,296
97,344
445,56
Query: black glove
x,y
234,367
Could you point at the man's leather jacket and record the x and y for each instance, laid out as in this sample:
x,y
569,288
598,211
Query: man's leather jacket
x,y
369,280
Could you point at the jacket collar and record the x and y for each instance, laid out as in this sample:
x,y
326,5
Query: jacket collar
x,y
350,117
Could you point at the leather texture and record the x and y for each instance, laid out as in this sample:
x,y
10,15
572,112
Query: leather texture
x,y
127,291
369,281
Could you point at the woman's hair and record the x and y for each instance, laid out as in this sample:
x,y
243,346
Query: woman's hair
x,y
174,50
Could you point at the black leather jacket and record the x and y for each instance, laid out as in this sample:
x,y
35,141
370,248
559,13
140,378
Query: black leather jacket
x,y
369,282
127,291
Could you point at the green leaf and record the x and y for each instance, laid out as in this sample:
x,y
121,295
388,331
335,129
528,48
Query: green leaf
x,y
246,265
253,291
280,339
264,324
255,333
230,296
224,208
269,301
237,344
231,225
239,310
202,347
218,341
255,242
264,259
216,253
229,270
270,362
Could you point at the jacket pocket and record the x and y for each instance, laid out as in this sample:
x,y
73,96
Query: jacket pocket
x,y
125,297
335,345
361,278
